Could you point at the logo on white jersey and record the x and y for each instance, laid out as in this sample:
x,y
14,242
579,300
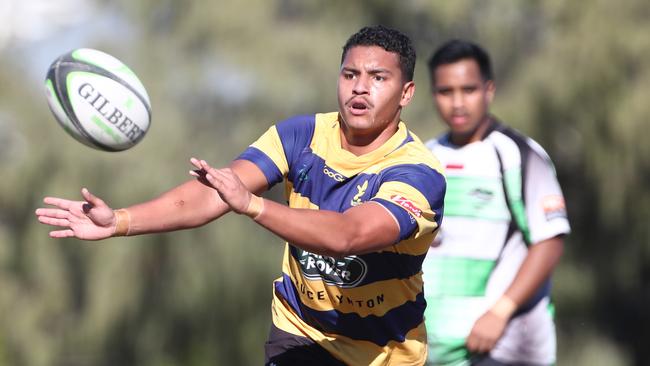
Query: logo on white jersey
x,y
553,207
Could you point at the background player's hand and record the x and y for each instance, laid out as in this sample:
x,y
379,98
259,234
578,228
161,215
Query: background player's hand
x,y
89,220
230,188
487,330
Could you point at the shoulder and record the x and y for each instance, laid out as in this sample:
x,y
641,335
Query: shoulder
x,y
418,154
305,126
437,141
414,163
508,138
301,122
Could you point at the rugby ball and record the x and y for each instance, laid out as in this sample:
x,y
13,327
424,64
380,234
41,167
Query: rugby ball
x,y
98,100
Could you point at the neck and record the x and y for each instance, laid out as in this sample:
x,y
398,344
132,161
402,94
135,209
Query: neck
x,y
461,139
360,143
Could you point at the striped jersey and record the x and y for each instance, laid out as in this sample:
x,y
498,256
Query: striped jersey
x,y
363,309
502,195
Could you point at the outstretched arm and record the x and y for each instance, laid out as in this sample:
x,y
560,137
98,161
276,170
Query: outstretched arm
x,y
361,229
189,205
536,268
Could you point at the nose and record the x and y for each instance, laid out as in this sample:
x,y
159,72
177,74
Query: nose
x,y
457,100
360,85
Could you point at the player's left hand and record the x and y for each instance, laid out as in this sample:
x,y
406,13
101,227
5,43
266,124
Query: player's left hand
x,y
487,330
230,188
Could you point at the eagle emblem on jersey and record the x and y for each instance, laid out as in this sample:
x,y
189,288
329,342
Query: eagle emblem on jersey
x,y
361,189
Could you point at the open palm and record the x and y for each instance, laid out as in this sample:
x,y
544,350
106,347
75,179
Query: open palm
x,y
88,220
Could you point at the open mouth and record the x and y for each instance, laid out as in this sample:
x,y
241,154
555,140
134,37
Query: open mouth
x,y
358,106
459,118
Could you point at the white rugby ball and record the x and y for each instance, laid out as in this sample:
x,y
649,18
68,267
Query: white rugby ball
x,y
98,100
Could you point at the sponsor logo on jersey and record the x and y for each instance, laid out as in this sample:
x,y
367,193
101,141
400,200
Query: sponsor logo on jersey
x,y
482,194
553,207
343,272
361,189
454,166
407,204
333,174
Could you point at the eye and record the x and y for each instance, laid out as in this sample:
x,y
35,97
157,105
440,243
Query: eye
x,y
348,75
444,92
469,89
379,78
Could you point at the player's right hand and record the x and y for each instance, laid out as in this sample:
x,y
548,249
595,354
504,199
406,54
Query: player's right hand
x,y
88,220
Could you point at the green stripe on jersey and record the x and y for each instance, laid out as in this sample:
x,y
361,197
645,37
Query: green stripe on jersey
x,y
448,351
513,181
457,276
475,197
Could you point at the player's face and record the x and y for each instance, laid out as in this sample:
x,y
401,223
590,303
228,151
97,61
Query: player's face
x,y
463,98
371,89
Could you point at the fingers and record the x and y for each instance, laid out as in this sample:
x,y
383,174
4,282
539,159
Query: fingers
x,y
62,233
206,173
485,334
474,345
58,202
478,346
52,213
91,198
199,173
196,162
67,204
54,222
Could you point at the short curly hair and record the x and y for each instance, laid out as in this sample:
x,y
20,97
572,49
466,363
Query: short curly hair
x,y
456,50
390,40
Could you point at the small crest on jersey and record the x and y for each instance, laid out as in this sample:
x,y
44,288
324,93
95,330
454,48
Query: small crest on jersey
x,y
553,206
361,190
407,204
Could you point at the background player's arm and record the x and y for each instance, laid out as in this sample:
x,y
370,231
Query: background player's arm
x,y
537,267
546,216
539,263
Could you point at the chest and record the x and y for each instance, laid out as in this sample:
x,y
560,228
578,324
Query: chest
x,y
313,180
474,182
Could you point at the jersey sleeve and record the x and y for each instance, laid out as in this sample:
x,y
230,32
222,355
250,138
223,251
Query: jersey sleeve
x,y
414,195
267,153
545,206
276,150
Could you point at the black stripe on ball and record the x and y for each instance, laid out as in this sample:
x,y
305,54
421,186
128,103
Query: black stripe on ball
x,y
58,73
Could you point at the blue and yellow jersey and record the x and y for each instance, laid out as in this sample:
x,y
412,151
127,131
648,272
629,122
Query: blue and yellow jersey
x,y
363,309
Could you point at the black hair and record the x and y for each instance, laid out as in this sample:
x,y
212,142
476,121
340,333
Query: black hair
x,y
455,50
390,40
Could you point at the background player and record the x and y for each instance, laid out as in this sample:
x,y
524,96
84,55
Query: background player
x,y
487,279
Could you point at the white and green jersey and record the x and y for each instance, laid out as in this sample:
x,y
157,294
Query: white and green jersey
x,y
502,195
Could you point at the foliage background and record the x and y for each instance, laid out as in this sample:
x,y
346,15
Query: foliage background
x,y
573,75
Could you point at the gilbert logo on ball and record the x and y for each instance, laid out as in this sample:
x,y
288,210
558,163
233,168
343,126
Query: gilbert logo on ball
x,y
98,100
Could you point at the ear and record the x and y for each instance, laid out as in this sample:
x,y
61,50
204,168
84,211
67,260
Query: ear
x,y
490,89
408,90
